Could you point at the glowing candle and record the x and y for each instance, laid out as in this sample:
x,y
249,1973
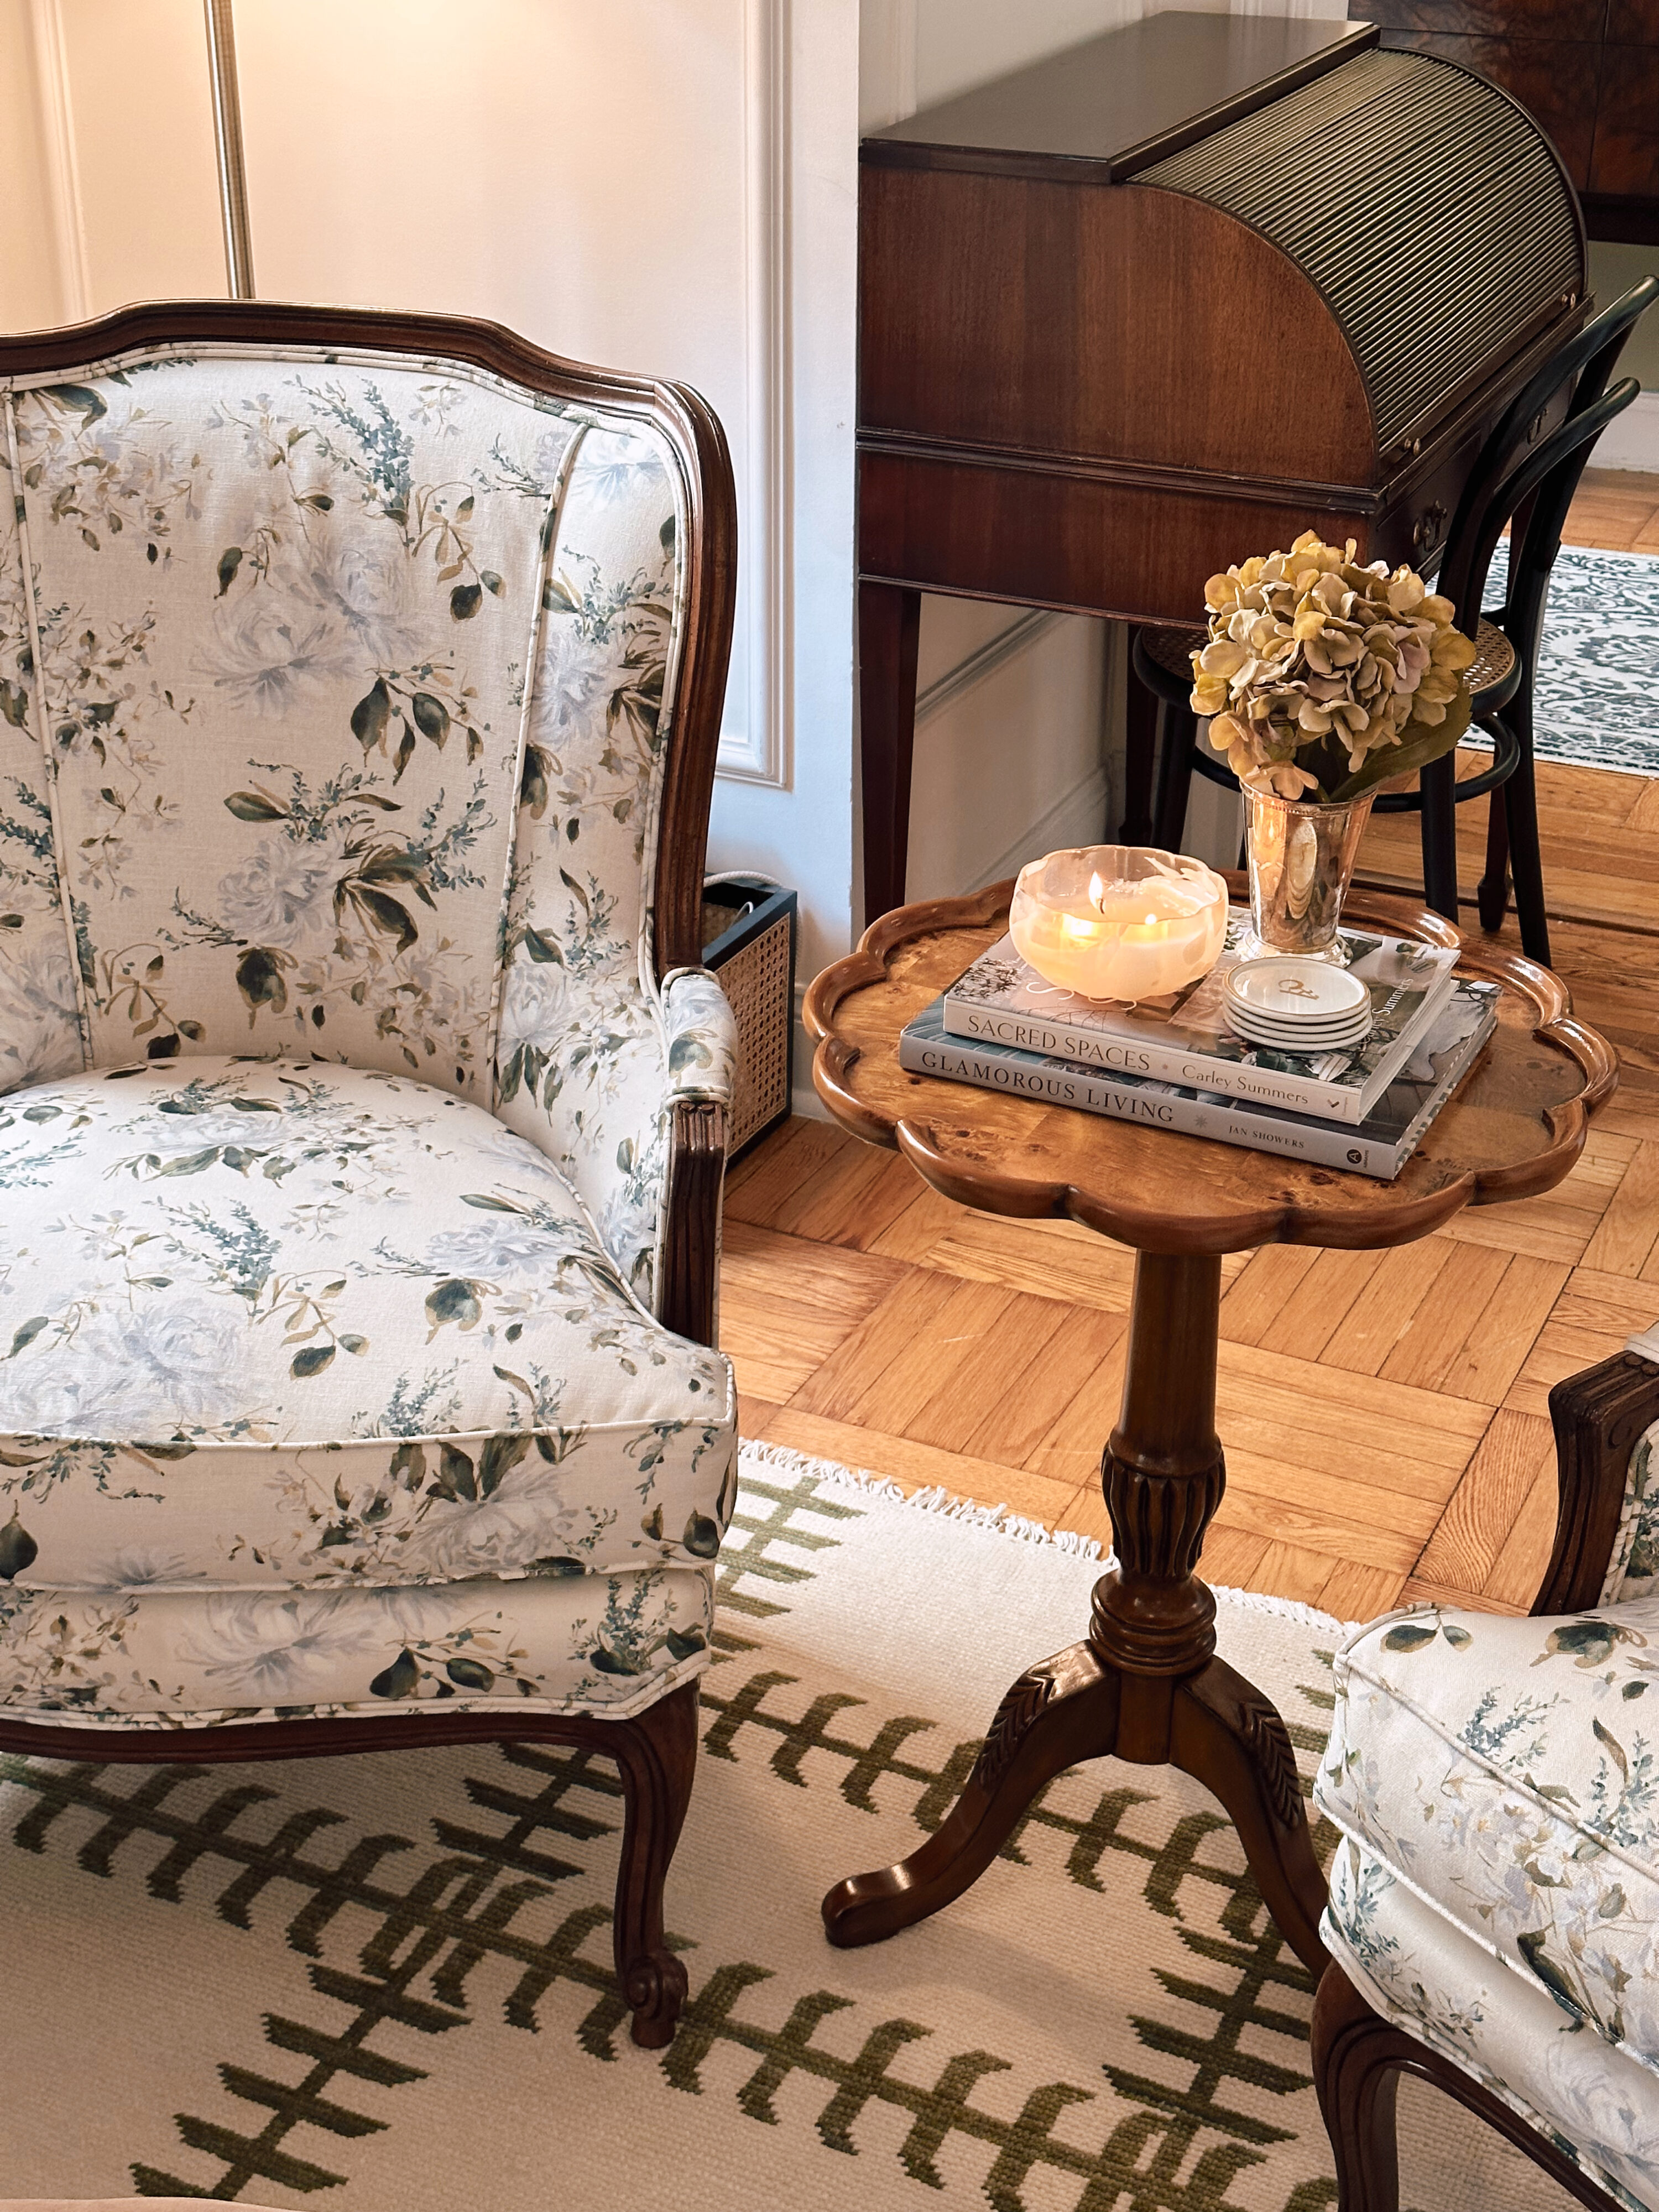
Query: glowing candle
x,y
1119,922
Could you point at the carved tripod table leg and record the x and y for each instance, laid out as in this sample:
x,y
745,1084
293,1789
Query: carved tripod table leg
x,y
1146,1684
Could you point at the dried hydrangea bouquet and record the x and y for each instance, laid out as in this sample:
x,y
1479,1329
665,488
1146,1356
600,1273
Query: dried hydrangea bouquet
x,y
1323,679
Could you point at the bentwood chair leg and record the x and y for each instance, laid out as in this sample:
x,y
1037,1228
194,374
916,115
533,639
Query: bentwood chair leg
x,y
1141,718
1492,892
1437,784
1177,734
1521,810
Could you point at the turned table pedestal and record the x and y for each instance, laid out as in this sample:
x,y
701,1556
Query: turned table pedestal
x,y
1145,1683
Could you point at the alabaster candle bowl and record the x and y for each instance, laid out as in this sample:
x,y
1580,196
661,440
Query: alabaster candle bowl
x,y
1119,922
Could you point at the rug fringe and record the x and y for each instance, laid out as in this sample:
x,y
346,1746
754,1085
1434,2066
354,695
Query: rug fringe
x,y
1003,1522
1001,1519
1284,1608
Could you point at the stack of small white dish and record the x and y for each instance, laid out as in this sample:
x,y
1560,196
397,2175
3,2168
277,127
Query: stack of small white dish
x,y
1292,1004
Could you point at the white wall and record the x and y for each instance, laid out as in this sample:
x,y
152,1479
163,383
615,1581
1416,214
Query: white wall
x,y
31,293
135,81
658,185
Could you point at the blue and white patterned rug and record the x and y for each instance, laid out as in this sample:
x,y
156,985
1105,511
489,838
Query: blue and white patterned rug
x,y
1597,700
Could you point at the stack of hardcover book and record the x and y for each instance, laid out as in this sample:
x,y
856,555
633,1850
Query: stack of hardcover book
x,y
1176,1063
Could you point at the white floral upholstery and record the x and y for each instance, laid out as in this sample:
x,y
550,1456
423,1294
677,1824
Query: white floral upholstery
x,y
1414,1968
336,692
607,1644
1496,1779
323,1325
1633,1567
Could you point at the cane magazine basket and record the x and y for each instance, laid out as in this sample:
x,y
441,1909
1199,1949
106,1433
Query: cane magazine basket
x,y
748,941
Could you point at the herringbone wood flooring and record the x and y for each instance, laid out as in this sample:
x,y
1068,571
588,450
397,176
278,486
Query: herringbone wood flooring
x,y
1384,1414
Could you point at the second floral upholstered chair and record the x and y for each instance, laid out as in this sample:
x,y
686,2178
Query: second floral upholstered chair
x,y
1495,1895
360,1158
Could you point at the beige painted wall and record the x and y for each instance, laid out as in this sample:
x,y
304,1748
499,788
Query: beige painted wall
x,y
583,172
142,125
30,293
1612,270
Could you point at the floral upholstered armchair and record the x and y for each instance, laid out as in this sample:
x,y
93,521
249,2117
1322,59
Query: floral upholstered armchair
x,y
363,1128
1494,1909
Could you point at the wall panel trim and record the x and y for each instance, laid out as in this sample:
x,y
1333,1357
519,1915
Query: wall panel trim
x,y
757,743
63,172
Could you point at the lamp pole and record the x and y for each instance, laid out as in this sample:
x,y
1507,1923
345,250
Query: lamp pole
x,y
227,139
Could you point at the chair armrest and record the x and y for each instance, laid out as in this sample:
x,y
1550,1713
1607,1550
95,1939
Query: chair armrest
x,y
701,1033
1599,1418
688,1286
702,1036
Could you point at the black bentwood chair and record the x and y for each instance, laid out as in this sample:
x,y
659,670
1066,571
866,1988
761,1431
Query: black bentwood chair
x,y
1526,475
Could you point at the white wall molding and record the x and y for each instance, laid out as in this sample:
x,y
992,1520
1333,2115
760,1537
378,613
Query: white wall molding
x,y
1075,819
1631,441
759,750
63,171
1019,637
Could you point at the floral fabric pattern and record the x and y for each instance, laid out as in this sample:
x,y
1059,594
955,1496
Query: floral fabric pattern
x,y
702,1038
277,1322
1506,1770
581,1050
1433,1980
609,1645
39,1022
339,688
1633,1566
266,637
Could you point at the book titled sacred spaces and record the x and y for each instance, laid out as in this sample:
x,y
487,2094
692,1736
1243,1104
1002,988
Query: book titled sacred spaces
x,y
1378,1146
1186,1041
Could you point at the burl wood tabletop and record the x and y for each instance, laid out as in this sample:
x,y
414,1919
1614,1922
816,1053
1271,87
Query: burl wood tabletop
x,y
1514,1128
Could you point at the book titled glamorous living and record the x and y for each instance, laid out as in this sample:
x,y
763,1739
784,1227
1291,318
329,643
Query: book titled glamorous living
x,y
1185,1040
1378,1146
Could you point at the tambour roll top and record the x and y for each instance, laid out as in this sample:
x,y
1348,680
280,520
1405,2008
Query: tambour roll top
x,y
1309,282
1430,210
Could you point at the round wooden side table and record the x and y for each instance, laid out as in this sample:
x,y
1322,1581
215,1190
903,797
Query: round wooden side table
x,y
1146,1684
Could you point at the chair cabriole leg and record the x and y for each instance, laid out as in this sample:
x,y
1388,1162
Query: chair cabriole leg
x,y
1357,2058
657,1753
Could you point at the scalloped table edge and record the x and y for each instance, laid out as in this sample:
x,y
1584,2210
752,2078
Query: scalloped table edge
x,y
1231,1230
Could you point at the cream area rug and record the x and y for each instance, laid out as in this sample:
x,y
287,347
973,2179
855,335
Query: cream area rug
x,y
384,1983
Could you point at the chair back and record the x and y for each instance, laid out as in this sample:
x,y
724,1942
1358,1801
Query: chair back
x,y
1504,475
344,662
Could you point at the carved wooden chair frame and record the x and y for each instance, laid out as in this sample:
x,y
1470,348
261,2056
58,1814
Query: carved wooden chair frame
x,y
1358,2057
656,1750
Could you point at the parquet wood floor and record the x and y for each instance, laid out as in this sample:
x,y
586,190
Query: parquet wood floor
x,y
1384,1414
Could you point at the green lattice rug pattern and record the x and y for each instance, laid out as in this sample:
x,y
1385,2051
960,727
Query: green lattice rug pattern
x,y
383,1985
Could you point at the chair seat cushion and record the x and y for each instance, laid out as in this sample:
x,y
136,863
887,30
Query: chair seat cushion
x,y
1506,1769
606,1645
1433,1980
277,1322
